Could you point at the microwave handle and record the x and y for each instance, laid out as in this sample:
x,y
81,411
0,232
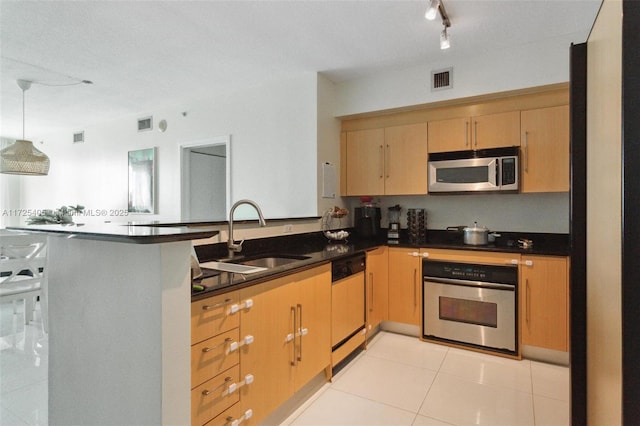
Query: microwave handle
x,y
495,165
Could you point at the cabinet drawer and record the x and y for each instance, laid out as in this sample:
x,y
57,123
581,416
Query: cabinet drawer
x,y
210,317
231,414
213,397
212,356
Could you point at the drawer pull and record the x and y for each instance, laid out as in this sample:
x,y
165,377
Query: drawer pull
x,y
247,304
217,305
209,349
235,422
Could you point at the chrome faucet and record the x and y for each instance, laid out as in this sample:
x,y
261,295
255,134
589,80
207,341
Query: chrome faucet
x,y
231,244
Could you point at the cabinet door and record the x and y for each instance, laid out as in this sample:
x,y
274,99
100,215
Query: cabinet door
x,y
545,149
405,287
313,344
544,294
377,288
365,162
271,356
449,135
406,159
347,304
496,130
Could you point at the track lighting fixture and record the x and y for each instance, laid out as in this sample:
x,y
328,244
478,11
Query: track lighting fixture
x,y
432,10
435,7
445,42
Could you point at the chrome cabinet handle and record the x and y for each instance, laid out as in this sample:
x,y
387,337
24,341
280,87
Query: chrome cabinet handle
x,y
209,349
381,162
466,133
415,288
386,161
293,312
217,305
300,331
371,297
526,152
527,301
475,132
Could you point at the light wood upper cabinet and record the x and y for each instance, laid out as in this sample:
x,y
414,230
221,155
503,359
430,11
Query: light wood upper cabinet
x,y
545,149
365,162
478,132
406,159
377,289
389,161
405,285
544,292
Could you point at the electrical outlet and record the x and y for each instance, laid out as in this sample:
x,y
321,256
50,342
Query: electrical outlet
x,y
288,229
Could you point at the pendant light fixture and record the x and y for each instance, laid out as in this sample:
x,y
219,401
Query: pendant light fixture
x,y
22,158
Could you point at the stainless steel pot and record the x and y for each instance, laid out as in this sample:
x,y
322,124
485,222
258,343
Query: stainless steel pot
x,y
476,235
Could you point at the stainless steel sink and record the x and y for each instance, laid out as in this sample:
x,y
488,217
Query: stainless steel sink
x,y
270,261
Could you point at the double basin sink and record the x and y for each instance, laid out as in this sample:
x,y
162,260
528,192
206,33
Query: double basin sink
x,y
253,264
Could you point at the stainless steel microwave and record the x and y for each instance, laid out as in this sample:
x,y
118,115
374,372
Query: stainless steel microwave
x,y
485,170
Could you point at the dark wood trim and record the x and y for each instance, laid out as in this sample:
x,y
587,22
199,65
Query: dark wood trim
x,y
630,212
578,214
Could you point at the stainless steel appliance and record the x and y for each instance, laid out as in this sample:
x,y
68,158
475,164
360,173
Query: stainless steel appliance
x,y
484,170
471,304
393,231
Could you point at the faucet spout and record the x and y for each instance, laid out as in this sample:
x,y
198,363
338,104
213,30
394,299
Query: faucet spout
x,y
231,244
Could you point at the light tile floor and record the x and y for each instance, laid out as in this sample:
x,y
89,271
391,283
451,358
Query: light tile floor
x,y
398,380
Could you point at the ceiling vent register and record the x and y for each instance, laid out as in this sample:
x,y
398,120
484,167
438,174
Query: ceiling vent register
x,y
145,124
442,79
78,137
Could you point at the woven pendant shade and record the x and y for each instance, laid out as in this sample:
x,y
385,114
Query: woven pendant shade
x,y
22,158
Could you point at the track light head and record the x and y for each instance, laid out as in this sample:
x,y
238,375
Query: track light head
x,y
445,40
432,10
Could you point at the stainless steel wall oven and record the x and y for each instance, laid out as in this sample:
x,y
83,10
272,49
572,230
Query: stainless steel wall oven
x,y
471,304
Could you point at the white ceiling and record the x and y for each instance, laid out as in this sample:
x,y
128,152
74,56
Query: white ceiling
x,y
146,55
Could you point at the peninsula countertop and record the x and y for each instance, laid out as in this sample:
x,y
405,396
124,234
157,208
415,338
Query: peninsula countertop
x,y
123,232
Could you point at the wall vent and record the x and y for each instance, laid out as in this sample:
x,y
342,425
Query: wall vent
x,y
442,79
78,137
145,124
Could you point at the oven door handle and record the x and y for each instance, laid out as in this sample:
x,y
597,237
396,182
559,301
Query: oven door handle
x,y
466,283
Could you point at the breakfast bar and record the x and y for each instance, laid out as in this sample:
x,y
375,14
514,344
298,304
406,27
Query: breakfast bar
x,y
119,308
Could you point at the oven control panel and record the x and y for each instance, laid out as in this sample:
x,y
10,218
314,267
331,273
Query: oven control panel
x,y
504,274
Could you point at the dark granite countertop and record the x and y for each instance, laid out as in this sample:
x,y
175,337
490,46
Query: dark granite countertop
x,y
320,251
123,233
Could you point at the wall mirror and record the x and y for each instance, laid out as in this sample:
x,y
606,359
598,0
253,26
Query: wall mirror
x,y
142,181
205,179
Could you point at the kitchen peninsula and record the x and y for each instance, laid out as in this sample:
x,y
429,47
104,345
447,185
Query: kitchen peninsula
x,y
119,307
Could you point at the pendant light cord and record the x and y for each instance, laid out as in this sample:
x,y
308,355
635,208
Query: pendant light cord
x,y
23,119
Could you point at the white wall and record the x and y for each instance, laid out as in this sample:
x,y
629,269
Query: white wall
x,y
476,73
269,126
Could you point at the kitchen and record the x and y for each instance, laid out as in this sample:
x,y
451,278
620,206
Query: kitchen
x,y
312,112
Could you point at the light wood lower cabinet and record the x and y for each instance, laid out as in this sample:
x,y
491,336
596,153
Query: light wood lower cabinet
x,y
405,286
214,356
544,293
290,322
377,287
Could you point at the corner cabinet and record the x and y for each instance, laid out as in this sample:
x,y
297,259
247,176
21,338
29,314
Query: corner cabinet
x,y
377,287
405,286
289,321
478,132
544,295
386,161
545,149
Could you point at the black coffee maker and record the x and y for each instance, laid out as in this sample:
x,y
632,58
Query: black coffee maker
x,y
367,221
